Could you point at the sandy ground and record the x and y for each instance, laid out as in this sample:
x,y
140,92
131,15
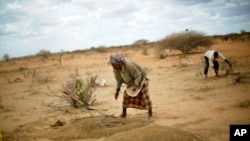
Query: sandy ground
x,y
186,106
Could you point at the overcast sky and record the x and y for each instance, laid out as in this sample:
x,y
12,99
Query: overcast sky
x,y
28,26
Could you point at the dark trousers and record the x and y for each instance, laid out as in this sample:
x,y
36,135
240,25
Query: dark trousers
x,y
216,66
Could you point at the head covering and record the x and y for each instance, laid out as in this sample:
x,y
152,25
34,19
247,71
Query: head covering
x,y
116,59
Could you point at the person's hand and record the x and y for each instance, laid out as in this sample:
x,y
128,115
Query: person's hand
x,y
134,88
230,65
116,95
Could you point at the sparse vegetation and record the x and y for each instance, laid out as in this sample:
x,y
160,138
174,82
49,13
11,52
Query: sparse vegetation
x,y
244,103
60,57
145,51
141,42
101,49
79,92
186,41
242,36
44,54
233,60
6,57
2,107
241,78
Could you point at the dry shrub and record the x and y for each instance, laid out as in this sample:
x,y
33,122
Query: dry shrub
x,y
186,41
145,51
241,78
101,49
79,92
41,78
225,67
197,98
244,103
2,107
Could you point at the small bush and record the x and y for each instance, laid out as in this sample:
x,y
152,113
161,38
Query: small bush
x,y
186,41
145,52
44,54
241,78
79,92
244,103
6,57
101,49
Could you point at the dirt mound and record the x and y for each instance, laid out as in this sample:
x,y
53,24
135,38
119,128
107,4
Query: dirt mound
x,y
98,128
156,133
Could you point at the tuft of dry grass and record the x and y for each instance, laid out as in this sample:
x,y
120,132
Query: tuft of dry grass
x,y
2,107
244,103
241,77
145,51
79,92
198,98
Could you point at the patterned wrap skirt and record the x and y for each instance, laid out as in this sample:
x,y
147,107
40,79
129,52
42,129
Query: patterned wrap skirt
x,y
141,101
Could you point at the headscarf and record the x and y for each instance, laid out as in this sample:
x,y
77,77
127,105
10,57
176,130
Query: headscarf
x,y
116,59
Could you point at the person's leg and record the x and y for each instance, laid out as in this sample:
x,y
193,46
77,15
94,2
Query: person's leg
x,y
150,112
206,66
150,116
125,103
148,101
216,68
124,112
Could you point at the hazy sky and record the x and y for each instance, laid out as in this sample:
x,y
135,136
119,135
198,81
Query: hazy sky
x,y
28,26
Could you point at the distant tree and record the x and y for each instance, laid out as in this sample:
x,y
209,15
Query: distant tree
x,y
242,31
140,42
60,57
186,41
44,54
6,57
101,48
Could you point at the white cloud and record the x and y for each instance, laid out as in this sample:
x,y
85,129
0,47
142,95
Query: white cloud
x,y
13,6
77,24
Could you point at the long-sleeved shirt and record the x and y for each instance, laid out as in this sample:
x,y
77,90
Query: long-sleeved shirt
x,y
210,55
131,74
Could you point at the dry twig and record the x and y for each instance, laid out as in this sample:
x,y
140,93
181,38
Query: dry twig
x,y
107,123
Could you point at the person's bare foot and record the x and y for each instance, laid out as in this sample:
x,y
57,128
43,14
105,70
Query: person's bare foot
x,y
123,115
150,119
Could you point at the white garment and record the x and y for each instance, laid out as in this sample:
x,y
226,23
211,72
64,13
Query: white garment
x,y
210,55
132,93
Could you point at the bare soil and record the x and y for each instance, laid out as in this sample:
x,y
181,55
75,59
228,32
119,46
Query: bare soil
x,y
186,106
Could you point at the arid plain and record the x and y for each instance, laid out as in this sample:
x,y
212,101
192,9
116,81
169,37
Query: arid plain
x,y
186,105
